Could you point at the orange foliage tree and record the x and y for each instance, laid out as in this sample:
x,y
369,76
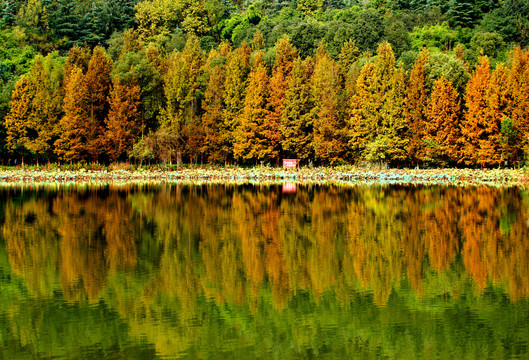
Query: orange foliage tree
x,y
479,129
329,141
286,53
519,89
237,70
297,118
250,140
123,121
98,84
72,144
416,101
213,105
443,112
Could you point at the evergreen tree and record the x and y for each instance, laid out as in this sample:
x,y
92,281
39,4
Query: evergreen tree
x,y
93,28
8,13
65,22
461,13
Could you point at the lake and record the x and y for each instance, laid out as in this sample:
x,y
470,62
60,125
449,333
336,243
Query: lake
x,y
263,271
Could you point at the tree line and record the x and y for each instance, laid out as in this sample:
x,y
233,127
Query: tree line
x,y
226,83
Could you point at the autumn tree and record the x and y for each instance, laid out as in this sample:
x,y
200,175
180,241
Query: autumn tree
x,y
72,144
33,120
361,131
329,142
33,18
17,135
518,81
480,126
416,101
297,118
237,69
348,55
213,106
251,142
181,87
499,104
98,84
443,133
78,57
377,119
285,55
123,122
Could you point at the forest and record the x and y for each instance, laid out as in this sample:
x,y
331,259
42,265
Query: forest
x,y
328,82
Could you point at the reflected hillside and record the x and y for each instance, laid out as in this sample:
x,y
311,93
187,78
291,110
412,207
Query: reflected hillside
x,y
224,267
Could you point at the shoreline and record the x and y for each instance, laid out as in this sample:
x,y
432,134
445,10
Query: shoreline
x,y
458,177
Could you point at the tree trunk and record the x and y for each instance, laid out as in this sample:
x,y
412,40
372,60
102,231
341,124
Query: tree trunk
x,y
178,159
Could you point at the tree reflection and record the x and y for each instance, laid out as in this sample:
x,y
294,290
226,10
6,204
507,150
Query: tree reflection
x,y
169,251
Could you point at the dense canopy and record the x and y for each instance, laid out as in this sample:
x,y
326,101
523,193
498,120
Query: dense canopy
x,y
400,82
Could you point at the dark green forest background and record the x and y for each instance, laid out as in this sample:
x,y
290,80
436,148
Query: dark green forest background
x,y
150,81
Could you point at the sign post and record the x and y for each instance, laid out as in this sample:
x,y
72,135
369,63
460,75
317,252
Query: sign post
x,y
290,163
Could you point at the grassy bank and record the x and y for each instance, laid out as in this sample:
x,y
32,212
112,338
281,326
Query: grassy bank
x,y
495,177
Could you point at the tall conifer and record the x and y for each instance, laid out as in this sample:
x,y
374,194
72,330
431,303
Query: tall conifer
x,y
377,119
416,102
286,53
123,124
329,142
498,109
213,106
251,144
72,144
443,130
297,118
181,87
98,84
237,69
474,121
519,89
17,126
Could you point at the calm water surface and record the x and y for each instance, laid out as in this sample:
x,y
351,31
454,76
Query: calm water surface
x,y
255,271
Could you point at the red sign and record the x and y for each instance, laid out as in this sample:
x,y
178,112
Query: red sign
x,y
289,188
290,163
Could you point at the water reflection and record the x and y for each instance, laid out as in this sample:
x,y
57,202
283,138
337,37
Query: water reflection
x,y
249,271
